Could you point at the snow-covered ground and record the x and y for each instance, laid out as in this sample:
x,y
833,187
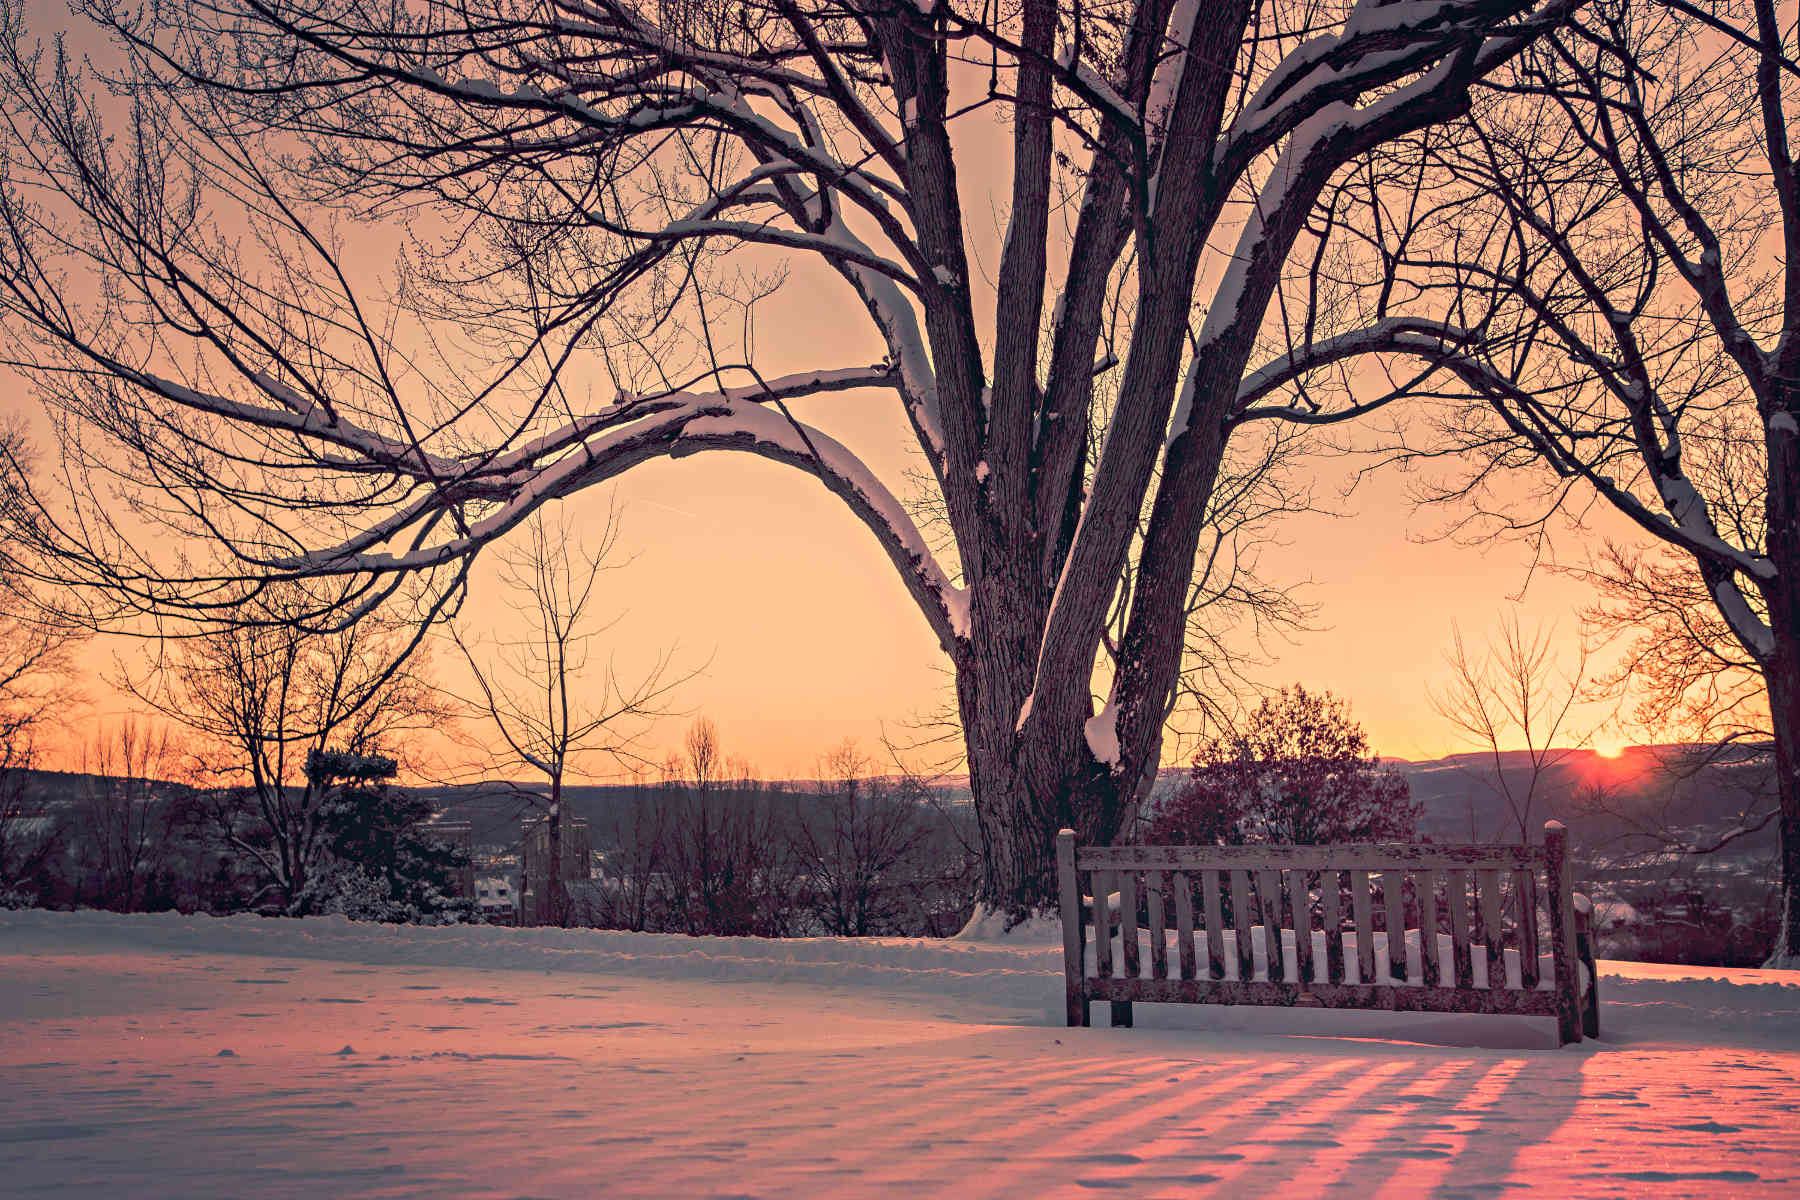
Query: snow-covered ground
x,y
184,1056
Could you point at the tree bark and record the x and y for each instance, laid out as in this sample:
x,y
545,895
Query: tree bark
x,y
1784,708
1033,771
1782,667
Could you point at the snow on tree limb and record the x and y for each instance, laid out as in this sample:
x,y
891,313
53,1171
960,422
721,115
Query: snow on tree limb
x,y
1378,44
1423,336
763,430
741,419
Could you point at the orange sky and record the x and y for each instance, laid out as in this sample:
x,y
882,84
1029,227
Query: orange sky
x,y
812,639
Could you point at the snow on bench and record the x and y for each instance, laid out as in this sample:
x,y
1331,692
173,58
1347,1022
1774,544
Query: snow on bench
x,y
1481,905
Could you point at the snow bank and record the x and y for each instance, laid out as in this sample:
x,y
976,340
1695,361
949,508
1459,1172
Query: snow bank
x,y
1014,971
985,964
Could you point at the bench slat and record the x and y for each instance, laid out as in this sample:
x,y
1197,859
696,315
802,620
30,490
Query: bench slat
x,y
1215,925
1128,926
1377,857
1268,896
1525,898
1458,898
1101,882
1184,923
1496,931
1362,903
1478,930
1159,928
1241,916
1300,908
1393,899
1331,886
1430,951
1512,1001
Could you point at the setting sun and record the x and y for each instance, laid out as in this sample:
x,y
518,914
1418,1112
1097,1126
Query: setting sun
x,y
1609,749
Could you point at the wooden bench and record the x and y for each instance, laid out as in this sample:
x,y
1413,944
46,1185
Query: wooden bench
x,y
1502,905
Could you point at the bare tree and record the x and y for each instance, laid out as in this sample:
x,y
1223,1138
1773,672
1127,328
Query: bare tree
x,y
1513,694
1682,674
595,186
125,813
853,840
1687,679
36,694
635,835
1618,219
266,696
554,708
728,866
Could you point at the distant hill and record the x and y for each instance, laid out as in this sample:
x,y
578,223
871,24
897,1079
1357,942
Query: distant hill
x,y
59,789
1602,799
1598,797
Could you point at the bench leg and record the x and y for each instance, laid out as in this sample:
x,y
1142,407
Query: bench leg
x,y
1590,1001
1121,1014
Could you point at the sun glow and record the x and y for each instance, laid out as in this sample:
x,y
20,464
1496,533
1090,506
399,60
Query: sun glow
x,y
1609,749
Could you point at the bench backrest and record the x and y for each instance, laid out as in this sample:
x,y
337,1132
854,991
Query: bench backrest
x,y
1490,897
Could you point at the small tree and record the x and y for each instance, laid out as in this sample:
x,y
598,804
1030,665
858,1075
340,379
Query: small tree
x,y
553,714
728,866
35,689
852,845
1513,695
1299,773
635,836
383,864
126,812
266,695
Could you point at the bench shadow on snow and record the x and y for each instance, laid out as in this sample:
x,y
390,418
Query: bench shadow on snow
x,y
1466,1031
1451,1095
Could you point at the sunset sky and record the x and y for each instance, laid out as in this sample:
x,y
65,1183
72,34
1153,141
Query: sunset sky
x,y
807,637
753,571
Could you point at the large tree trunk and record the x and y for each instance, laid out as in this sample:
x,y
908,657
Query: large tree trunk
x,y
1025,791
1031,771
1035,771
1781,669
1784,708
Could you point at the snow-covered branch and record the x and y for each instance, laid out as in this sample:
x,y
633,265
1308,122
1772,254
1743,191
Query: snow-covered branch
x,y
517,485
1421,336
